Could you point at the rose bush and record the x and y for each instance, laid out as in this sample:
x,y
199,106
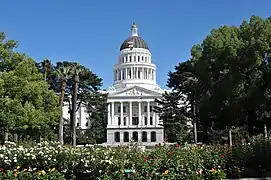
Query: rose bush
x,y
162,162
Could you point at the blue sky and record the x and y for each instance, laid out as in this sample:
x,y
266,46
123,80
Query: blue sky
x,y
91,31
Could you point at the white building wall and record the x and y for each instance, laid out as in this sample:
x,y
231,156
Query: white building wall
x,y
82,117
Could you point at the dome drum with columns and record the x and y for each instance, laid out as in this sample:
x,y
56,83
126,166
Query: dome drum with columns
x,y
131,99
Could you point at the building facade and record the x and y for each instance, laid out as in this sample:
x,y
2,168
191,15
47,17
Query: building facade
x,y
131,98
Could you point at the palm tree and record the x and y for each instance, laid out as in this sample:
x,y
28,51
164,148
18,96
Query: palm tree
x,y
75,71
63,73
46,67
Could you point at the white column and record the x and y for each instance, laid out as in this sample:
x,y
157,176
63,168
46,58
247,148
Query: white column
x,y
121,77
130,114
132,72
126,74
121,113
148,112
156,119
108,115
139,113
121,137
155,75
112,114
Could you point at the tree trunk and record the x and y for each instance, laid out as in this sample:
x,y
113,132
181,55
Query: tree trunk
x,y
6,135
265,131
61,100
230,137
15,138
74,101
193,105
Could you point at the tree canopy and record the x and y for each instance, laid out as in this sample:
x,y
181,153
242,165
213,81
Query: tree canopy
x,y
227,77
27,107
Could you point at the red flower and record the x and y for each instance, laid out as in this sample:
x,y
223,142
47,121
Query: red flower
x,y
170,152
222,156
157,145
145,159
177,145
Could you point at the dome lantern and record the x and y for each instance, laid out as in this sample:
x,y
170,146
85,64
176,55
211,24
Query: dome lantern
x,y
134,41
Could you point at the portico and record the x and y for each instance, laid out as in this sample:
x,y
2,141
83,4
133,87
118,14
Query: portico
x,y
132,113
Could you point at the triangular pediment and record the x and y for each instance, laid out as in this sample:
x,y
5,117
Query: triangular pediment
x,y
135,91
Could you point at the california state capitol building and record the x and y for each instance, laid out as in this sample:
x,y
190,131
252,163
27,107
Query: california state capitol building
x,y
131,116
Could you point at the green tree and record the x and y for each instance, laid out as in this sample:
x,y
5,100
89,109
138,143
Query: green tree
x,y
28,108
96,107
88,86
226,79
63,75
176,121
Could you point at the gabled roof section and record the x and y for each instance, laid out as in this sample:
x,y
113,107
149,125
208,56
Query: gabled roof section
x,y
135,91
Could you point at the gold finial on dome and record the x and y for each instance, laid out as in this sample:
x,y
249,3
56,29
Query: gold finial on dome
x,y
134,25
134,29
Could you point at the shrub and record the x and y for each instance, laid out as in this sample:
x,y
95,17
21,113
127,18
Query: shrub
x,y
163,162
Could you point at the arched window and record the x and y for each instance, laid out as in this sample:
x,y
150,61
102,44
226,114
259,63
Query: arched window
x,y
142,58
135,136
144,136
134,58
138,58
153,136
130,58
117,136
126,136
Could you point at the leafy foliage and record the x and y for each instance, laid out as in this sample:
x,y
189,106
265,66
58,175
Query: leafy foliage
x,y
27,107
226,78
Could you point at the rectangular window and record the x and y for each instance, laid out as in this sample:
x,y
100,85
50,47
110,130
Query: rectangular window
x,y
77,124
86,124
145,108
117,136
124,121
153,136
144,136
124,109
134,120
151,123
119,109
126,137
150,108
135,136
119,121
146,120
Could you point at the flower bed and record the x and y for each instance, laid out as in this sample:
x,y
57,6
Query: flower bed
x,y
162,162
